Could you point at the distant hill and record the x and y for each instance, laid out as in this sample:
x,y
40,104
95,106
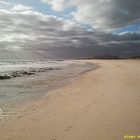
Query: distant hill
x,y
113,57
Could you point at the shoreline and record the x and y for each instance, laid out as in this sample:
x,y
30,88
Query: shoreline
x,y
99,101
46,80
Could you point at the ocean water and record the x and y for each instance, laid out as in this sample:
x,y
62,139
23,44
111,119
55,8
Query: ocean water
x,y
6,66
19,90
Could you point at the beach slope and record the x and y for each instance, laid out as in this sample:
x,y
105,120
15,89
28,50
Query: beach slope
x,y
103,104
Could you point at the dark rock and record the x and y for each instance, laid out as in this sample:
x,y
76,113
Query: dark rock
x,y
16,74
33,71
28,73
43,69
5,76
24,72
50,68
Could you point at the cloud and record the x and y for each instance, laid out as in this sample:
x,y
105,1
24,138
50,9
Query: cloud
x,y
57,5
19,7
26,33
3,2
102,14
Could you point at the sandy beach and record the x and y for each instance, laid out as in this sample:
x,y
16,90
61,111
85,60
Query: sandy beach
x,y
102,104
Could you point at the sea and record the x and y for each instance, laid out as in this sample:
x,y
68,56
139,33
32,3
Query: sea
x,y
16,91
10,65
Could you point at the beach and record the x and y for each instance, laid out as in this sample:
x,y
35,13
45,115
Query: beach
x,y
100,104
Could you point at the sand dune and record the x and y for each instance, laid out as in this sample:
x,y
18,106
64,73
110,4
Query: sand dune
x,y
103,104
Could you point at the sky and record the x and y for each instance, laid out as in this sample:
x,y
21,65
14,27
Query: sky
x,y
43,29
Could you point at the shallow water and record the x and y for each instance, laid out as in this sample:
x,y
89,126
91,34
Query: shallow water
x,y
16,91
6,66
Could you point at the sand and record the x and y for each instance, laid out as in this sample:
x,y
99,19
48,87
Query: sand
x,y
103,104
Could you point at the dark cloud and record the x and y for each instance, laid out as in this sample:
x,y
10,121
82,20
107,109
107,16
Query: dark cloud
x,y
28,34
103,14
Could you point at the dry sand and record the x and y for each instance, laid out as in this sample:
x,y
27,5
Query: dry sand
x,y
103,104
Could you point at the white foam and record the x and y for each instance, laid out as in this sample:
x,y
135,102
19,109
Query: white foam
x,y
1,111
12,66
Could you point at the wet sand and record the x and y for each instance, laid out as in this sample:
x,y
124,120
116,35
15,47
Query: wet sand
x,y
103,104
25,86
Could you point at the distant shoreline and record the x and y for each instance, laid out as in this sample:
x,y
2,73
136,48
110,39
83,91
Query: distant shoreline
x,y
112,58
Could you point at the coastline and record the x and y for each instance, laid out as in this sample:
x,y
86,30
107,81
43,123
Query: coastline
x,y
25,87
94,106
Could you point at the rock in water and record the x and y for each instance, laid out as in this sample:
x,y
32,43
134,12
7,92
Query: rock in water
x,y
5,76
